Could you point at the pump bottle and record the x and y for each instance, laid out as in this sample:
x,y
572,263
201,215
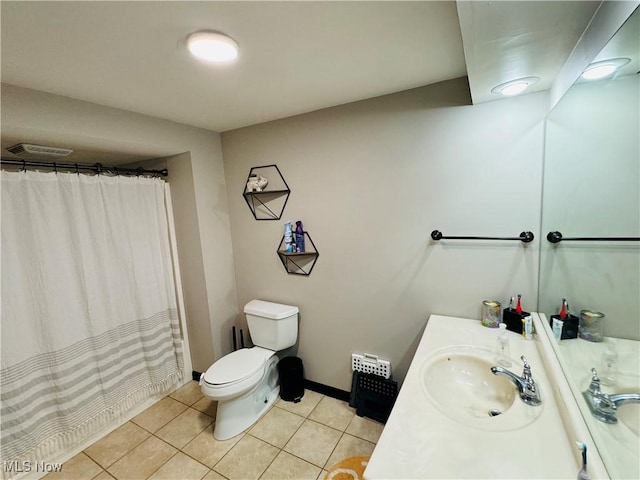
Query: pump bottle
x,y
503,351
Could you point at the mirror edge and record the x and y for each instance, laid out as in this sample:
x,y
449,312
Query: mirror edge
x,y
607,20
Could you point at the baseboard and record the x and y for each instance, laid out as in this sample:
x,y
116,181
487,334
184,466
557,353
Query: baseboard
x,y
327,390
308,384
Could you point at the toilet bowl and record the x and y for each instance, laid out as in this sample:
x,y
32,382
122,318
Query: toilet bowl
x,y
245,385
245,382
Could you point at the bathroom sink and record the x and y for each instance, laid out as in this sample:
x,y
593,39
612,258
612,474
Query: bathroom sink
x,y
629,413
458,381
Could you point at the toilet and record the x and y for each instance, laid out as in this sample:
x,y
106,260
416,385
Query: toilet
x,y
245,382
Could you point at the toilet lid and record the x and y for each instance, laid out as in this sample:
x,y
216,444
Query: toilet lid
x,y
237,365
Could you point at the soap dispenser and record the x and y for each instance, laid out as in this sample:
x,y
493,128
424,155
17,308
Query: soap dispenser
x,y
608,364
503,351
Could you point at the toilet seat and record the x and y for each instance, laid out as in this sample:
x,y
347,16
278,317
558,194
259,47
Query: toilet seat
x,y
236,372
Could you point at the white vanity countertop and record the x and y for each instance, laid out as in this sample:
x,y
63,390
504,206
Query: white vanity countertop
x,y
420,442
617,444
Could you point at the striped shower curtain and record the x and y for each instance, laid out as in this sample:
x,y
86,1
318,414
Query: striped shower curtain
x,y
90,327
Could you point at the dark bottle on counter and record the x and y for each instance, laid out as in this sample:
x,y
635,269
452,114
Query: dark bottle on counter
x,y
512,317
569,322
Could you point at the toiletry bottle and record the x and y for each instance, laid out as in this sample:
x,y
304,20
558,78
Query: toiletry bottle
x,y
519,305
503,352
557,327
527,327
563,309
299,237
288,238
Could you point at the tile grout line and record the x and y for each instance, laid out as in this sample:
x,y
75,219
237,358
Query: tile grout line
x,y
342,434
280,449
153,473
180,449
319,423
122,456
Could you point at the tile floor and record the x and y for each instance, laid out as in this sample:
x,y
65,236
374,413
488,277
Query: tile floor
x,y
173,440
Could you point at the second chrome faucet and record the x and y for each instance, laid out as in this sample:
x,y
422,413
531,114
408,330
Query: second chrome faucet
x,y
603,406
529,392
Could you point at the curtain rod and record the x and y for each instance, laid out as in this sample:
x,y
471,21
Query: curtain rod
x,y
96,167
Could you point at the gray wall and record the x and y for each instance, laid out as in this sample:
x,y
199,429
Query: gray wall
x,y
592,189
370,181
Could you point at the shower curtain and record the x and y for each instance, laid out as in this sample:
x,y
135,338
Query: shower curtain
x,y
90,327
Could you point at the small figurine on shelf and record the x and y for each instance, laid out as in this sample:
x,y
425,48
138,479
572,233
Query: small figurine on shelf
x,y
288,238
256,183
299,237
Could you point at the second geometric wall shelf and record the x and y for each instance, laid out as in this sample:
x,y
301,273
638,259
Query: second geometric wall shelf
x,y
267,203
299,263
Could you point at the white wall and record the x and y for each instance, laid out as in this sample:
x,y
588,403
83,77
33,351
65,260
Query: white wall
x,y
370,181
592,189
57,120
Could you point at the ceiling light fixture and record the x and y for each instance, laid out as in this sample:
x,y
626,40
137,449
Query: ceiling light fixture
x,y
604,68
514,87
212,47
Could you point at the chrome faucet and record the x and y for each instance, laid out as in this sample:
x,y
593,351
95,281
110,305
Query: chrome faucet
x,y
529,394
602,405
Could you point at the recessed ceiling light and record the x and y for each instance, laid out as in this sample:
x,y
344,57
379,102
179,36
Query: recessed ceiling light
x,y
603,68
514,87
212,47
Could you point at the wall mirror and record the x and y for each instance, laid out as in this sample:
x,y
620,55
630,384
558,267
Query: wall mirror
x,y
591,188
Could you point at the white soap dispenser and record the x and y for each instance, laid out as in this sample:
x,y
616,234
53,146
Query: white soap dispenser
x,y
609,364
503,352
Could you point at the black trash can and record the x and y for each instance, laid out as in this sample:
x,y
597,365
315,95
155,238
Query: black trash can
x,y
291,379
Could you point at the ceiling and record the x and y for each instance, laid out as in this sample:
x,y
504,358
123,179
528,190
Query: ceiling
x,y
295,57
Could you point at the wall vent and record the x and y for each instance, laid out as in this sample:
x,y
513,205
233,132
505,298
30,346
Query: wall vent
x,y
30,149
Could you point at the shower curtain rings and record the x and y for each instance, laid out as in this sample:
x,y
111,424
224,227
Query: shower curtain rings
x,y
139,170
55,167
24,166
115,169
77,169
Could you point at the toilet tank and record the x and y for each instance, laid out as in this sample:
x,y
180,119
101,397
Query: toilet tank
x,y
272,325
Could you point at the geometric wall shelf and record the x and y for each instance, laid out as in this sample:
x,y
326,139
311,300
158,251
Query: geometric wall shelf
x,y
268,203
299,263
